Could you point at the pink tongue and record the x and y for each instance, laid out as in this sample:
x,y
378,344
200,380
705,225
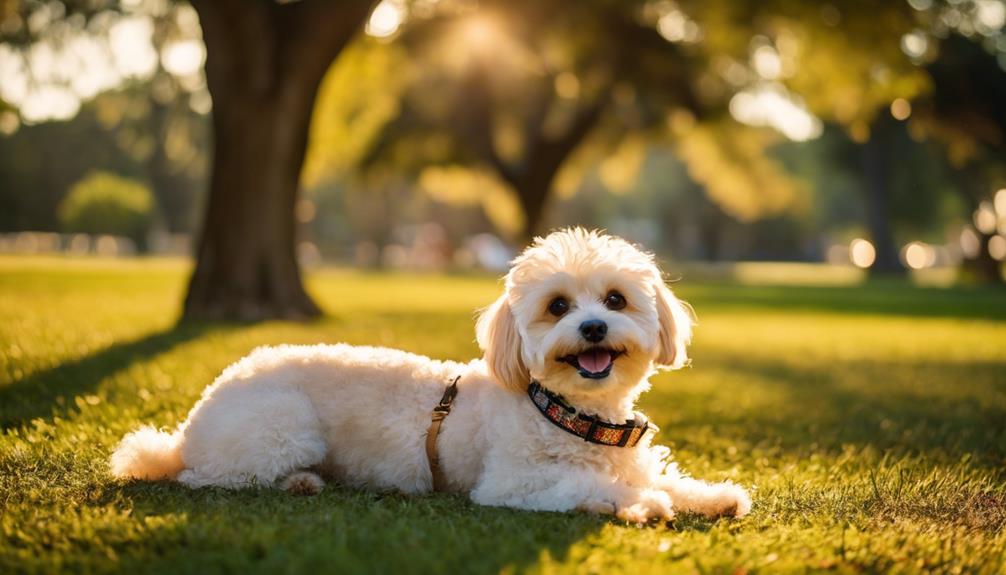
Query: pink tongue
x,y
594,361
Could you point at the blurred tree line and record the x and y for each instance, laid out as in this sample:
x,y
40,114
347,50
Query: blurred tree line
x,y
716,129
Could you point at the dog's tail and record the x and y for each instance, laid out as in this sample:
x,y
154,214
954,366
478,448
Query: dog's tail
x,y
148,454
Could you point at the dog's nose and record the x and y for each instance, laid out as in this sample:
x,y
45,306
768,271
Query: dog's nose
x,y
593,330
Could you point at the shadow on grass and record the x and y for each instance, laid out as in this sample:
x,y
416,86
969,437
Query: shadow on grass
x,y
346,531
51,390
339,530
873,298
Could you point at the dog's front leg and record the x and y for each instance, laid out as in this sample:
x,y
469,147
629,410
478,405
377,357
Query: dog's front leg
x,y
556,487
725,499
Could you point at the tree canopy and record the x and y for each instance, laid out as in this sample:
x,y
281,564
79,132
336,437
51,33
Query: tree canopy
x,y
533,94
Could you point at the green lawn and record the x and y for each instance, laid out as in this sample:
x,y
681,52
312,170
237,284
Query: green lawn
x,y
870,421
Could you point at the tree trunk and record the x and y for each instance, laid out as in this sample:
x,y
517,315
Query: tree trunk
x,y
876,187
531,176
264,62
247,266
532,193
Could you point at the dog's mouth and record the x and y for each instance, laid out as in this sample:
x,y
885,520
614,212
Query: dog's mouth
x,y
594,362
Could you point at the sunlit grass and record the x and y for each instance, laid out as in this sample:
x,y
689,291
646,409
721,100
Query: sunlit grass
x,y
870,420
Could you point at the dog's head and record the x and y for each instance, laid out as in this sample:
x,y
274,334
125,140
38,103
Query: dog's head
x,y
583,312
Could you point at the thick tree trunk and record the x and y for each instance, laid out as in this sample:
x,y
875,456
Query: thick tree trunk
x,y
247,266
876,184
264,64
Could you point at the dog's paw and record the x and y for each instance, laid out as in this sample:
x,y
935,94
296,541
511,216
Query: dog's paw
x,y
650,505
303,483
730,500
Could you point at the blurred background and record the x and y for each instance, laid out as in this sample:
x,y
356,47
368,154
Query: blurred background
x,y
856,138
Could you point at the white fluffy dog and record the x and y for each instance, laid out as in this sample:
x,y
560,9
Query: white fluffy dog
x,y
585,316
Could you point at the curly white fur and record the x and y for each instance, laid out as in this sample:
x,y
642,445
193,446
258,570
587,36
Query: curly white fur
x,y
358,415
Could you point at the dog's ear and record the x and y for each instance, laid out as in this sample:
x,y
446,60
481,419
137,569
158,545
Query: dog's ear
x,y
676,320
497,335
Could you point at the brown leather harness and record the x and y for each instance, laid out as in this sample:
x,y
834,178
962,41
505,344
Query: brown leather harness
x,y
439,413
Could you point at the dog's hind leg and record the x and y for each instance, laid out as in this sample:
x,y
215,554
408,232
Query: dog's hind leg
x,y
250,433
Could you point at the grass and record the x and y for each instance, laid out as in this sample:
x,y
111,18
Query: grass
x,y
871,422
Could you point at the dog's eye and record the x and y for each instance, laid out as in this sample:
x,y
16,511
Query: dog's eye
x,y
558,307
615,301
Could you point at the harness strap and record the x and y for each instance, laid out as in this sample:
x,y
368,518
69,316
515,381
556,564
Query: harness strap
x,y
439,413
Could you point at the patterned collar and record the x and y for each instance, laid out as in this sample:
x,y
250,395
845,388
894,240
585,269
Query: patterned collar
x,y
590,428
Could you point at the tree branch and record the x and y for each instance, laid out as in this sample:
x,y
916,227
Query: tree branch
x,y
551,153
533,136
315,31
646,57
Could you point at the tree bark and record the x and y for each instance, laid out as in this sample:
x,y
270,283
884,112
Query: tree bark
x,y
875,159
264,63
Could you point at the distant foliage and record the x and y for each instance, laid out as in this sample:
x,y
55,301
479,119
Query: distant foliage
x,y
104,203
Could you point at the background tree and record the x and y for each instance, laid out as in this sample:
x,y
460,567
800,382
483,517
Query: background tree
x,y
538,81
104,203
965,112
527,99
264,61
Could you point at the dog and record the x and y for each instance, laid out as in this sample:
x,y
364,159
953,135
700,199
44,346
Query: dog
x,y
544,421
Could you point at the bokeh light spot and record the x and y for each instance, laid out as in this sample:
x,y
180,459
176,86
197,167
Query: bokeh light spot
x,y
918,255
985,218
862,254
386,18
901,109
1000,202
567,86
914,44
774,106
970,243
184,58
997,247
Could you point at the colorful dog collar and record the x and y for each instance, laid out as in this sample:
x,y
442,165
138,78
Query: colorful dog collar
x,y
590,428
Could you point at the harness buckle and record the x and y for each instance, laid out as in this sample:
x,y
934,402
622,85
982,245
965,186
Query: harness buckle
x,y
448,399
